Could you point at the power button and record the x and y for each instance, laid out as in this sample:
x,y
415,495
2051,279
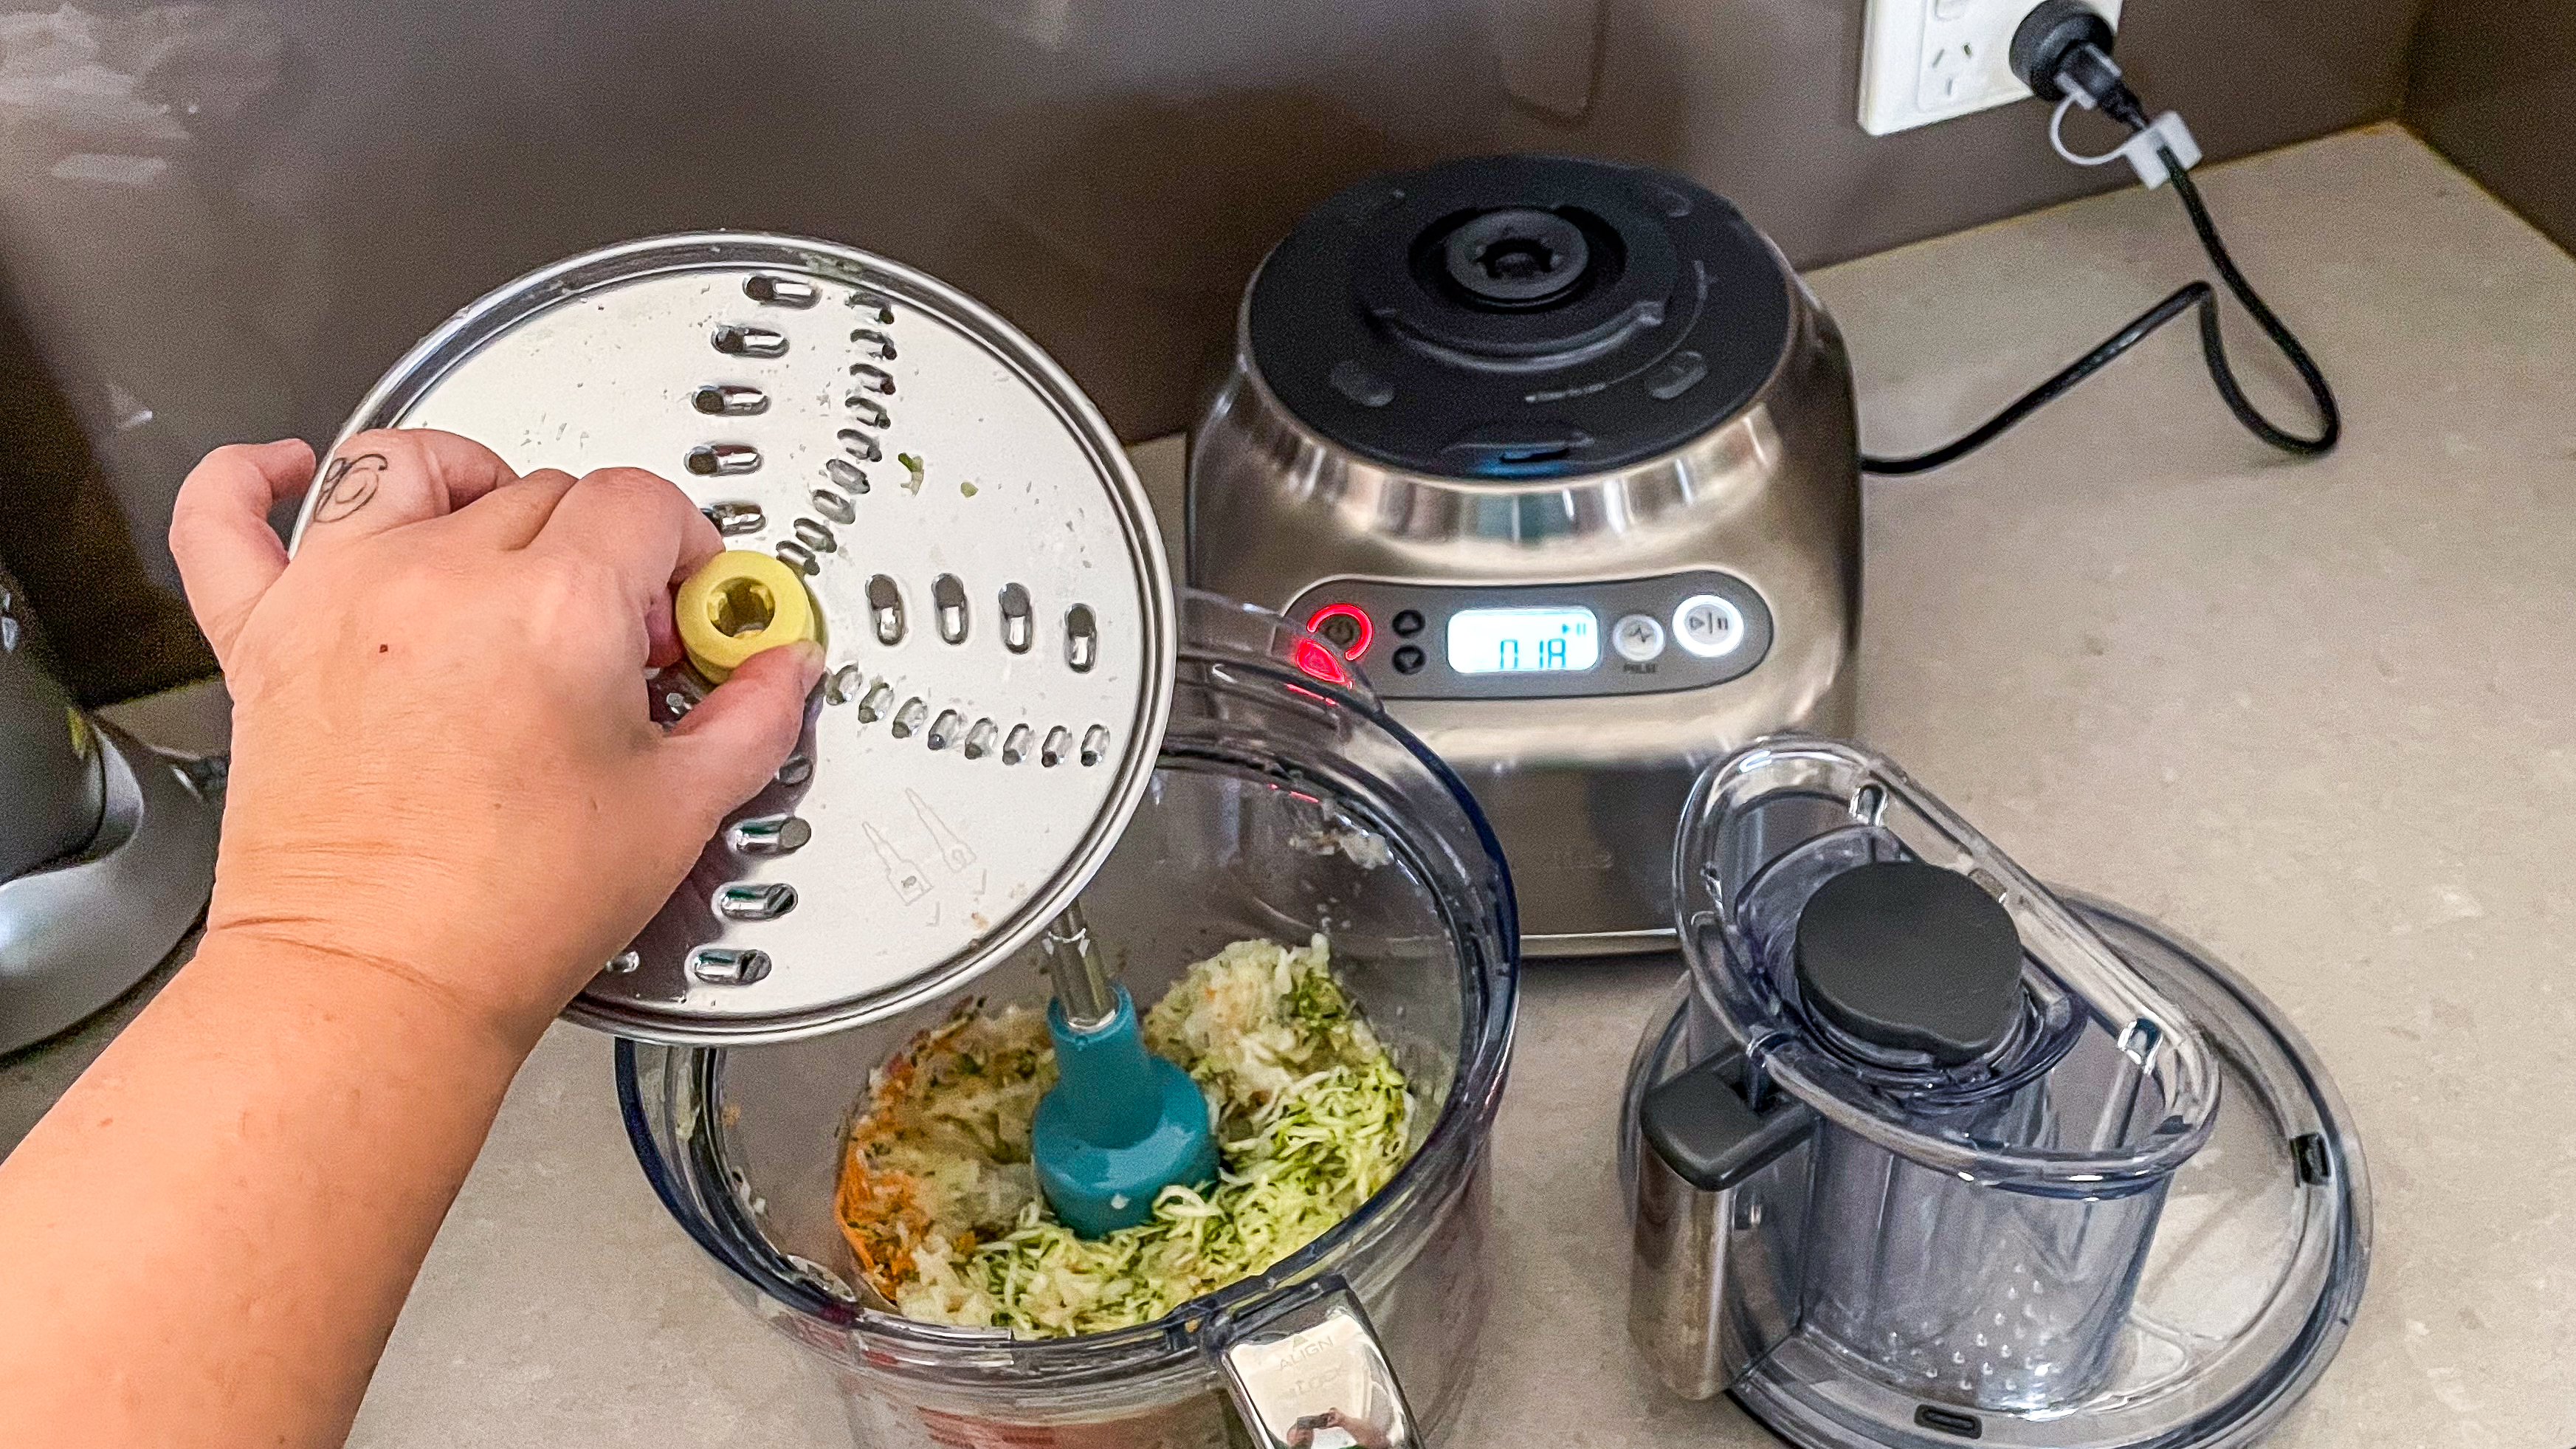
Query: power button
x,y
1707,625
1344,626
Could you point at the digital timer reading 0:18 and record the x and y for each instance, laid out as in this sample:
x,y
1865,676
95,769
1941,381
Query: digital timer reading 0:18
x,y
1523,641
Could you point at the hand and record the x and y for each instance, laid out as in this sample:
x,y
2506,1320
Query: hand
x,y
442,764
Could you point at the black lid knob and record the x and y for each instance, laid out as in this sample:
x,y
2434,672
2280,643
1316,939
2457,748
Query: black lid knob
x,y
1911,957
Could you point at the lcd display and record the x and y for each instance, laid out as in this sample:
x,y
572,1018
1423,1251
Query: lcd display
x,y
1523,641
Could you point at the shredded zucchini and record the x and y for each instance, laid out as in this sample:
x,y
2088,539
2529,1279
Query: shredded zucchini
x,y
942,1211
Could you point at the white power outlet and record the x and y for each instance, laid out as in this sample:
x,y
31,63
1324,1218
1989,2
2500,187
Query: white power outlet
x,y
1931,60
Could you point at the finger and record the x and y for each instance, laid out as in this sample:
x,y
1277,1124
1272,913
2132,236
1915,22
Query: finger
x,y
733,742
639,518
513,516
645,530
219,533
662,646
387,477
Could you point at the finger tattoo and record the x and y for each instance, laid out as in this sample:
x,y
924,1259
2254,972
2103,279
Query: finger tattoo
x,y
348,485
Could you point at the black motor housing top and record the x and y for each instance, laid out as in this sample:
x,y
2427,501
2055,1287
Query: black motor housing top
x,y
1519,316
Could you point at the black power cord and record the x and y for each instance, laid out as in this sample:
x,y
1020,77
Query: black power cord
x,y
2062,52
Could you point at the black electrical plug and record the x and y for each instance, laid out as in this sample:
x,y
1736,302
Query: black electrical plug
x,y
2063,49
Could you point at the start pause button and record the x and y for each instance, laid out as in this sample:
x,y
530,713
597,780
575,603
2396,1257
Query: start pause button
x,y
1707,625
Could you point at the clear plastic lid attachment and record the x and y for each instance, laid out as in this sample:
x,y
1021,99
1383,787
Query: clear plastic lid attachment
x,y
1764,834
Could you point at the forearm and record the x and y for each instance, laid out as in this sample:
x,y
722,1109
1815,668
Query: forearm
x,y
255,1170
207,1241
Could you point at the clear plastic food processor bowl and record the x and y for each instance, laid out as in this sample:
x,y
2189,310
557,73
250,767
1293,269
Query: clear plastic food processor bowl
x,y
1876,1229
1283,805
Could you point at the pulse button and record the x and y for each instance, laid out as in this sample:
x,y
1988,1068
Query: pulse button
x,y
1707,625
1639,638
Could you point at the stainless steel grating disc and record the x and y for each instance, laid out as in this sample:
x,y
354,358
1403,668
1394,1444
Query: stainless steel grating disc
x,y
997,609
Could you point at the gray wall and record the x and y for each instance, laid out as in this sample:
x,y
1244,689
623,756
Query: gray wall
x,y
2493,85
223,221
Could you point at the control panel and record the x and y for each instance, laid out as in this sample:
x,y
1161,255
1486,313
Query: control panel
x,y
1542,641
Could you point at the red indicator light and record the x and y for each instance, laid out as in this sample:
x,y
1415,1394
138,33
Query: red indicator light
x,y
1319,662
1344,626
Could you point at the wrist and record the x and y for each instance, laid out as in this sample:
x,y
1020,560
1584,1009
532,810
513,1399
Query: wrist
x,y
304,971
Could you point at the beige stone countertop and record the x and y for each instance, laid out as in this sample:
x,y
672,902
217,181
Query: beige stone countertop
x,y
2320,717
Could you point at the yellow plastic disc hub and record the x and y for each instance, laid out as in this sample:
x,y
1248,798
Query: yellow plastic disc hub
x,y
740,604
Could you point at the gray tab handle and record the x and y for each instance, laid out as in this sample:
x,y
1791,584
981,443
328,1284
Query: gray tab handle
x,y
1307,1372
1713,1282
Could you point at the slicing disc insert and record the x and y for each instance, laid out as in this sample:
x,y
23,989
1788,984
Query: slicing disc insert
x,y
995,605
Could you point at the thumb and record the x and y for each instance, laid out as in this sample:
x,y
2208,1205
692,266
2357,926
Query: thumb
x,y
227,554
734,741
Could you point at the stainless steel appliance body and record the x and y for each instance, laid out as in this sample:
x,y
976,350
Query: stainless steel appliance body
x,y
1663,451
107,848
52,784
